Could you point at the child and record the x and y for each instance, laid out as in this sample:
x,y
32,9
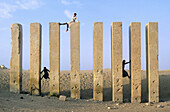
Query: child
x,y
123,69
46,75
74,18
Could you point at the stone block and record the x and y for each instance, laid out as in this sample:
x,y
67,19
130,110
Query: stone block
x,y
54,58
75,59
135,61
16,58
35,58
152,61
98,61
116,53
62,98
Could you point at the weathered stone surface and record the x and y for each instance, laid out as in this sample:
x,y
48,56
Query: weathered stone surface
x,y
35,58
16,59
98,61
75,60
152,61
135,58
62,98
54,58
116,41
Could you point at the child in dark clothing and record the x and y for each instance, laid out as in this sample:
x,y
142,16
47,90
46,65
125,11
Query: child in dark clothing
x,y
46,75
123,69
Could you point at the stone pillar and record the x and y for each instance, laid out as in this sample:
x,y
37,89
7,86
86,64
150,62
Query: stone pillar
x,y
54,58
35,58
116,43
152,61
16,58
135,58
75,60
98,61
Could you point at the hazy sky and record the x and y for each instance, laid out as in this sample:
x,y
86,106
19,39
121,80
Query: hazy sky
x,y
89,11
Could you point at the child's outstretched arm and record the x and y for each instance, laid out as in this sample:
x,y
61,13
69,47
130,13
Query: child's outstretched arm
x,y
48,70
127,62
41,72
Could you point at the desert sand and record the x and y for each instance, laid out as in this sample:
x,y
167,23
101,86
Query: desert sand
x,y
30,103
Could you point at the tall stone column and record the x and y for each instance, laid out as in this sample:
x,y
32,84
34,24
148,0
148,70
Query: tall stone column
x,y
35,58
116,47
135,58
152,61
54,58
98,61
75,60
16,58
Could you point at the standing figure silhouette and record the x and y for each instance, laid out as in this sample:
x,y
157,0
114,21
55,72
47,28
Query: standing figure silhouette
x,y
46,75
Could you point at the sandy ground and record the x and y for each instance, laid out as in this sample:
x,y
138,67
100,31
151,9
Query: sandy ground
x,y
25,102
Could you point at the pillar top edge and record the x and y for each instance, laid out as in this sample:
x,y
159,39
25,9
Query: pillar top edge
x,y
16,24
75,23
98,23
116,23
147,24
54,22
152,23
135,23
35,23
